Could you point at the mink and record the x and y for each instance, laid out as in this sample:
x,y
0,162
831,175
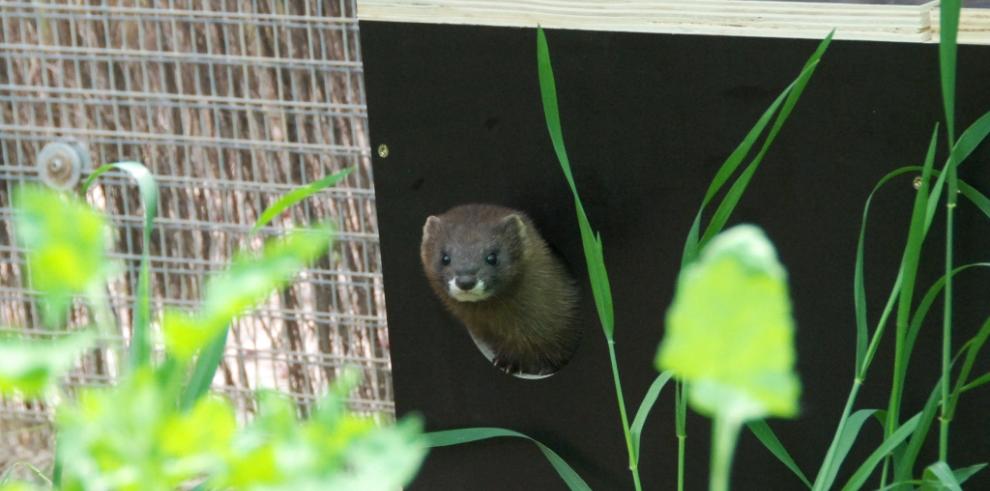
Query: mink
x,y
495,273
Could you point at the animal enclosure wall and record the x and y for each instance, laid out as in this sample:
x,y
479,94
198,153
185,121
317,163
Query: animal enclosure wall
x,y
647,119
230,104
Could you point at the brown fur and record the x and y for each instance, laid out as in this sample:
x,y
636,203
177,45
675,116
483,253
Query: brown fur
x,y
528,319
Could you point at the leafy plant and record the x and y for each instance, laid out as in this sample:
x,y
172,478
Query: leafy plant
x,y
158,428
730,339
593,247
734,386
781,108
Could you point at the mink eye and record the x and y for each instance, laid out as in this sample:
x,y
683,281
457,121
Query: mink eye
x,y
492,259
445,260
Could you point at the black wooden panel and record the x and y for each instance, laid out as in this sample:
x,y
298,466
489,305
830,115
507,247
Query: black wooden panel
x,y
648,119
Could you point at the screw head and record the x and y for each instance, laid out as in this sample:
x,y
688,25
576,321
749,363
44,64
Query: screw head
x,y
383,150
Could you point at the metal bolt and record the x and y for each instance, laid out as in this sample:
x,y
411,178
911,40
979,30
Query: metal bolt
x,y
383,150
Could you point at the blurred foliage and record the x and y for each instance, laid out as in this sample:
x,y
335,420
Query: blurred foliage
x,y
134,437
30,367
141,434
64,240
249,279
730,331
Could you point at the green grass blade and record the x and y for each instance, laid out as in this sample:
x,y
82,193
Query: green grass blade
x,y
788,98
905,462
203,371
296,195
636,430
467,435
947,50
859,288
978,381
971,138
691,245
859,477
841,444
248,280
732,197
908,271
591,242
963,475
925,305
972,349
140,335
943,474
976,197
765,434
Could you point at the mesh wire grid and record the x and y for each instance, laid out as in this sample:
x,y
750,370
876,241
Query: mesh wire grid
x,y
230,104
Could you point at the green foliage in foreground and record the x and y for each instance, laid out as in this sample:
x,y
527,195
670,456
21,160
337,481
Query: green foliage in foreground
x,y
157,429
730,338
135,437
730,333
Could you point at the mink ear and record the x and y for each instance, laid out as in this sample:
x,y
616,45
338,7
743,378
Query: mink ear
x,y
514,225
431,227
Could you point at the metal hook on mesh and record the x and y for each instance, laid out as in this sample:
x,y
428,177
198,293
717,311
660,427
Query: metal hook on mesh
x,y
61,163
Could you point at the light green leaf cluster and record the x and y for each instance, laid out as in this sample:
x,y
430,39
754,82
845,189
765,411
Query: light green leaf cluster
x,y
64,240
730,330
18,486
134,437
28,367
249,279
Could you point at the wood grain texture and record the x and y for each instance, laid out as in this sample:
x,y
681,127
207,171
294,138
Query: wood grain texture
x,y
908,22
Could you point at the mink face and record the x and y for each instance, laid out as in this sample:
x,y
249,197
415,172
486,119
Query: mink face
x,y
472,258
495,273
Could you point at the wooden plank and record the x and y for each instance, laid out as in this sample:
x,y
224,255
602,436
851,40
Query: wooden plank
x,y
878,22
974,25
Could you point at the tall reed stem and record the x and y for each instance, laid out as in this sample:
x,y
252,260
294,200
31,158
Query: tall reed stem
x,y
725,430
943,430
680,423
633,458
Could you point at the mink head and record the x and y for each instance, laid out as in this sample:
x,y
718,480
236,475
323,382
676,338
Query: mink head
x,y
473,252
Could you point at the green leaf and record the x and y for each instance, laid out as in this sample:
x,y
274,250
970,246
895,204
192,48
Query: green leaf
x,y
730,331
124,437
918,318
467,435
732,197
972,350
29,367
978,381
859,289
940,472
133,436
963,475
840,448
249,280
141,336
859,477
947,50
64,240
636,430
296,195
591,242
971,138
204,370
908,272
18,486
765,434
904,463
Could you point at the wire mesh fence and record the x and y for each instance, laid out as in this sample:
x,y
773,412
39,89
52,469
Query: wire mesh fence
x,y
230,104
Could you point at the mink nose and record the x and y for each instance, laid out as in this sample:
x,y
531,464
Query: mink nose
x,y
466,282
